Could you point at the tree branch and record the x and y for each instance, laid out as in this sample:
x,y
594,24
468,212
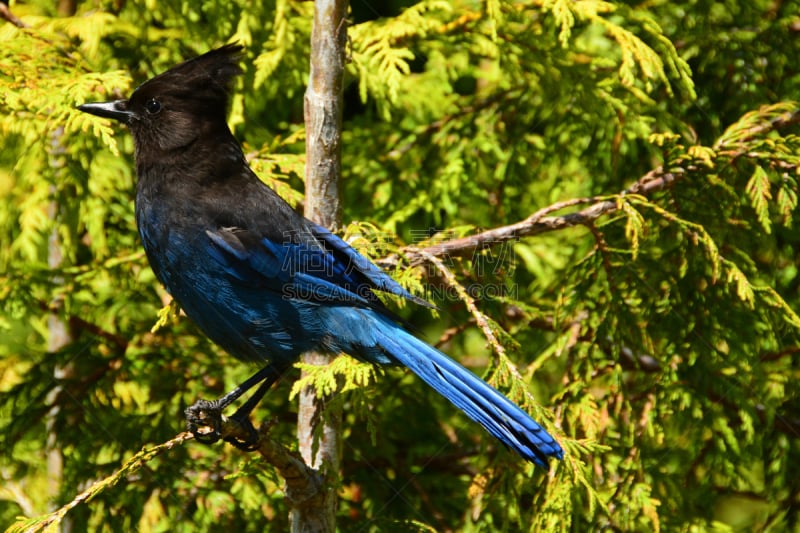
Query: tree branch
x,y
51,521
5,13
314,505
481,320
542,221
304,485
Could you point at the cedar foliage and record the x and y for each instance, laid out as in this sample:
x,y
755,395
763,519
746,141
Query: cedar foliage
x,y
656,334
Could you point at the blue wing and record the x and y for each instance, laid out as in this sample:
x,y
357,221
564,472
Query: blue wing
x,y
369,273
315,266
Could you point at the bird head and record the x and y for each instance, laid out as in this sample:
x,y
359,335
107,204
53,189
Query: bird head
x,y
176,107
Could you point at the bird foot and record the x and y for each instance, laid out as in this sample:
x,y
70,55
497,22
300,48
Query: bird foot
x,y
204,420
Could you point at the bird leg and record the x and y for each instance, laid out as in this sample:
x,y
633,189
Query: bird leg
x,y
204,418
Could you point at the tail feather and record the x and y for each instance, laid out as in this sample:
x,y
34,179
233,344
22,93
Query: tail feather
x,y
476,398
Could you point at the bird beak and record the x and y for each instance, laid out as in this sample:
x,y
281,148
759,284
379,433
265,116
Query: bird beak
x,y
118,110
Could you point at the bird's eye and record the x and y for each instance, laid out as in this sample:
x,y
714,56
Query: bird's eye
x,y
153,106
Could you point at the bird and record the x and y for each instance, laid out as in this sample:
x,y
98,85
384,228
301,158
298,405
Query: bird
x,y
260,280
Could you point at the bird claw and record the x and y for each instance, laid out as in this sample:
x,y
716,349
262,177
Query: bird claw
x,y
206,422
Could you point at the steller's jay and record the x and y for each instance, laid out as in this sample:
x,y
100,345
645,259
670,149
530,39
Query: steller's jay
x,y
260,280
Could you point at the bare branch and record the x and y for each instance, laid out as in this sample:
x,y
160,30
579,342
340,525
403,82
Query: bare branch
x,y
304,486
314,505
542,221
51,521
480,318
5,13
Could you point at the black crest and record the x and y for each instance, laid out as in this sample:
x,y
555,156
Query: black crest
x,y
209,76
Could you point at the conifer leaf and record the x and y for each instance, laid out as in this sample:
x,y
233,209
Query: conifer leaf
x,y
326,379
634,225
562,12
743,288
758,190
704,154
787,200
168,313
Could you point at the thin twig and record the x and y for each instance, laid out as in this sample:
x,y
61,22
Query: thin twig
x,y
5,13
304,486
480,319
133,464
542,222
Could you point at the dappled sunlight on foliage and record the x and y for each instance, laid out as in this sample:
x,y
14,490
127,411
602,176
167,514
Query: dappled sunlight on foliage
x,y
599,197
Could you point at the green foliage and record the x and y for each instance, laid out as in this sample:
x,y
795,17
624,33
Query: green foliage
x,y
656,336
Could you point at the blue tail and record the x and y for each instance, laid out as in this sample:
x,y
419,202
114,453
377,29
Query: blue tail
x,y
479,400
